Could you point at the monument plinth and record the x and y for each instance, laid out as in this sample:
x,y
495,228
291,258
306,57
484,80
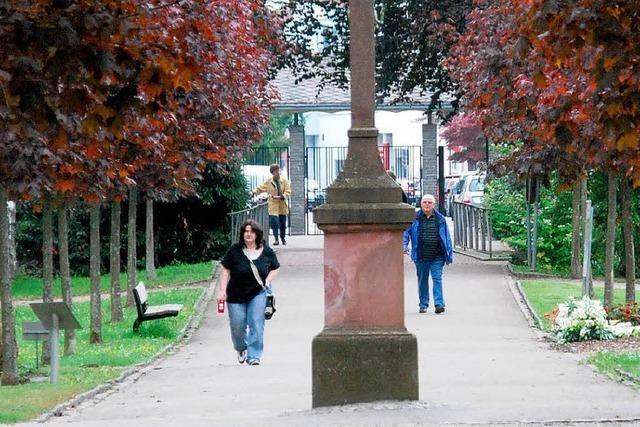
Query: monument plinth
x,y
364,352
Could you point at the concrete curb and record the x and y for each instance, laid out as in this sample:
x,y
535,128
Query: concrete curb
x,y
134,373
523,302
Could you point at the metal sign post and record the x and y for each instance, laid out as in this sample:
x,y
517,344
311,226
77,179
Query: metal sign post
x,y
34,331
55,316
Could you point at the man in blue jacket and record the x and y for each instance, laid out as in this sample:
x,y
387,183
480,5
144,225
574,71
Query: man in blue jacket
x,y
431,248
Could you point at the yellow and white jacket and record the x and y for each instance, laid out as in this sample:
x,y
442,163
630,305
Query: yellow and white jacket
x,y
276,207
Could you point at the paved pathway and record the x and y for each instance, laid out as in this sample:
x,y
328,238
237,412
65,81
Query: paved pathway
x,y
479,363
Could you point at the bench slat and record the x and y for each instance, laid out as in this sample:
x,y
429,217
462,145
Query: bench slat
x,y
152,312
161,309
142,292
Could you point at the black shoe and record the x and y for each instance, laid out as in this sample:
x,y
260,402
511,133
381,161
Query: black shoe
x,y
439,309
276,243
422,310
284,242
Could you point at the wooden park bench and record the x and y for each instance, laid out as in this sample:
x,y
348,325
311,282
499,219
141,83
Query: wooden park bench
x,y
151,312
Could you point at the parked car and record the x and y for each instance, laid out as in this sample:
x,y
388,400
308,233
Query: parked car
x,y
450,185
471,189
315,195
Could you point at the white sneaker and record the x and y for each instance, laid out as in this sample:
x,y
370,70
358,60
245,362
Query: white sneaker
x,y
242,356
254,362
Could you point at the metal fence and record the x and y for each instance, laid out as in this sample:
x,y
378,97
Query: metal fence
x,y
472,227
323,164
258,213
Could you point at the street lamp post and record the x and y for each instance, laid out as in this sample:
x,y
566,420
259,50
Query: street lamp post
x,y
364,353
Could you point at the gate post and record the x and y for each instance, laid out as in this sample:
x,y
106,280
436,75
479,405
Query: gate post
x,y
296,177
429,156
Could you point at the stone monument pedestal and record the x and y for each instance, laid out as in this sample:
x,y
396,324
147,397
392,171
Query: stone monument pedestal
x,y
355,366
364,353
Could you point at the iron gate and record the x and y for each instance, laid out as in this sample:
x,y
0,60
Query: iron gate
x,y
323,164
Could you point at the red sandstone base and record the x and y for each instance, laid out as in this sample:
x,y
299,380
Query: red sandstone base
x,y
364,280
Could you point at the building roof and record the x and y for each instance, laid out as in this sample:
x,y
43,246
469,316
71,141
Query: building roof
x,y
304,96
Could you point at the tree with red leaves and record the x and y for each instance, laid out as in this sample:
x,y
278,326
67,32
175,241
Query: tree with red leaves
x,y
465,138
596,110
98,97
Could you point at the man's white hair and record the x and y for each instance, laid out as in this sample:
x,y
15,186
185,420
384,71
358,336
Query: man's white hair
x,y
428,197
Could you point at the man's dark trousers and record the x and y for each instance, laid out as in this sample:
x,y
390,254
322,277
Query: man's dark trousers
x,y
278,221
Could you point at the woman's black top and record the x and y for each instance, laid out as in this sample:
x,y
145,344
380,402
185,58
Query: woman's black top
x,y
243,285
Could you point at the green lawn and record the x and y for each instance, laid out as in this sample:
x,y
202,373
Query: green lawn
x,y
31,287
93,364
545,295
620,366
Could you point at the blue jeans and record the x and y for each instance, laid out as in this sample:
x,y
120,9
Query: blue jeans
x,y
434,267
278,222
247,325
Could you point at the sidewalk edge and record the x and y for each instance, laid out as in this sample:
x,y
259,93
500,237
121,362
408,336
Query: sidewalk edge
x,y
523,303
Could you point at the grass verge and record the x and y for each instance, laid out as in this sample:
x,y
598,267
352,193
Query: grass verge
x,y
25,287
545,295
93,364
619,366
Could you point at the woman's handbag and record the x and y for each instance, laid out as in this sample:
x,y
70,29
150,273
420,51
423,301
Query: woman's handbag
x,y
270,308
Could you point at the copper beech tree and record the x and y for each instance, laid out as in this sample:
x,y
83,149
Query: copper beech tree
x,y
102,96
559,80
465,138
597,42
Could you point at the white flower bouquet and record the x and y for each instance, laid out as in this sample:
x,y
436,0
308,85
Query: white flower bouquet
x,y
586,319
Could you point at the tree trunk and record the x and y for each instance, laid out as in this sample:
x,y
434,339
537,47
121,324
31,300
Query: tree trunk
x,y
577,226
610,238
65,274
131,246
149,244
114,263
95,335
13,258
47,264
629,244
9,344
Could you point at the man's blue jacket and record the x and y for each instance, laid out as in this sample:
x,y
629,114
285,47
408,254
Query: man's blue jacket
x,y
412,234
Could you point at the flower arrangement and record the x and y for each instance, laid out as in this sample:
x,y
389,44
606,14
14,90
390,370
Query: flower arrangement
x,y
586,319
628,312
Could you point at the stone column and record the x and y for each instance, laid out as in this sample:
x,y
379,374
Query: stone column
x,y
296,176
364,352
429,158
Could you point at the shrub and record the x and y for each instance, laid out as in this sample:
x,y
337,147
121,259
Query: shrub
x,y
505,197
628,312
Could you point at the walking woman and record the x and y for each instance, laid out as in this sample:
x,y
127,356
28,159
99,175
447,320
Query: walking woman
x,y
246,298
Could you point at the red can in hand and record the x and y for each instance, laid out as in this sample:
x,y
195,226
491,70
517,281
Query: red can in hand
x,y
221,306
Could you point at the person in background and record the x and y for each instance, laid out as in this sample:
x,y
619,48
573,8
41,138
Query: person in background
x,y
279,190
431,248
404,195
246,298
